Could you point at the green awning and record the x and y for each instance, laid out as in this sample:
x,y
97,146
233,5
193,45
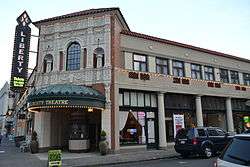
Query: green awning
x,y
66,96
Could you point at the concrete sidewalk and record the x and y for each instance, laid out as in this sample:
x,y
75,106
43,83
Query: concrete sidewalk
x,y
10,156
125,156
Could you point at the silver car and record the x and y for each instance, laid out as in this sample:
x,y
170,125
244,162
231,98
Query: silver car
x,y
236,154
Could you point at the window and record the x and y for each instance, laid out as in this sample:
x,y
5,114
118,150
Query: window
x,y
212,132
246,78
140,62
234,77
162,66
221,132
73,56
224,75
237,151
201,132
209,73
48,63
196,71
98,58
178,68
132,127
137,99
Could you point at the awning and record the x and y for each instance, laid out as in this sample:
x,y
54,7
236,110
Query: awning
x,y
65,96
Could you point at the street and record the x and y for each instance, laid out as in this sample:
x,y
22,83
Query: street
x,y
175,162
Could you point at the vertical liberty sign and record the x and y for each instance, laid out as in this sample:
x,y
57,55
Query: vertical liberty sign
x,y
19,72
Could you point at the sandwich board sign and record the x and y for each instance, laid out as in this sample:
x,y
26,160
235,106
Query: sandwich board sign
x,y
55,158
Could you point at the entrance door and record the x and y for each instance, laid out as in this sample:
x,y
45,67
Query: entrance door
x,y
151,131
93,137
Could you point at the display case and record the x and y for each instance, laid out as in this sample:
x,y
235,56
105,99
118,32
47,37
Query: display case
x,y
79,138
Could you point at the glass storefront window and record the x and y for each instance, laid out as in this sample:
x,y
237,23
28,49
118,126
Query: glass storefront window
x,y
133,99
140,99
132,128
126,99
153,100
120,99
147,99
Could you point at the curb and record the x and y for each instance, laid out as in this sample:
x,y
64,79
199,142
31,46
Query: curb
x,y
126,162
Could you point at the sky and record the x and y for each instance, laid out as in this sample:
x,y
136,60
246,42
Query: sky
x,y
220,25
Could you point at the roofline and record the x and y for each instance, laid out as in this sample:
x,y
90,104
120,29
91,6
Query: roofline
x,y
165,41
81,13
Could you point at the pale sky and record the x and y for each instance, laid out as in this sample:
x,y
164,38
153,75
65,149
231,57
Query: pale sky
x,y
220,25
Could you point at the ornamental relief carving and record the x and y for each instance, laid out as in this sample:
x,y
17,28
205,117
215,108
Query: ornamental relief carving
x,y
77,77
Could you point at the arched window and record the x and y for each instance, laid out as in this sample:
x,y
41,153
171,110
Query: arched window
x,y
48,63
73,56
98,58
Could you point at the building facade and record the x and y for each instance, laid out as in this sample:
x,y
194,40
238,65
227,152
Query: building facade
x,y
94,74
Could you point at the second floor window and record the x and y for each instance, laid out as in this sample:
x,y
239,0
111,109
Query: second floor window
x,y
73,56
246,78
209,73
140,62
224,75
196,71
162,66
234,77
178,68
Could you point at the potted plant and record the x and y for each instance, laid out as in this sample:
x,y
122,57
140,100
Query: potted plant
x,y
34,143
103,144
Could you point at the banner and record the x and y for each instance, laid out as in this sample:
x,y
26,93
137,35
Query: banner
x,y
178,122
19,72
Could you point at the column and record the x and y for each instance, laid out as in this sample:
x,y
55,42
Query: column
x,y
161,123
199,117
106,115
170,63
230,124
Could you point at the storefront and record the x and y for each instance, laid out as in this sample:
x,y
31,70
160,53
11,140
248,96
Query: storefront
x,y
241,115
71,115
181,106
214,111
138,120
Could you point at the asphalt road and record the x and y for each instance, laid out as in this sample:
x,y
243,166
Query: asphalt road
x,y
175,162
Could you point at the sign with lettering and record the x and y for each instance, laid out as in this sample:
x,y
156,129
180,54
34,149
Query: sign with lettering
x,y
19,72
49,103
178,122
55,158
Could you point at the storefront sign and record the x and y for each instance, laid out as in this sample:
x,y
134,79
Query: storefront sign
x,y
20,58
178,122
49,102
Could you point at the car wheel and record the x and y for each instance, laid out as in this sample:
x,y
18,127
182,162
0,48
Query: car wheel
x,y
208,152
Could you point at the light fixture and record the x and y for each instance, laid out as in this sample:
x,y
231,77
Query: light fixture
x,y
90,109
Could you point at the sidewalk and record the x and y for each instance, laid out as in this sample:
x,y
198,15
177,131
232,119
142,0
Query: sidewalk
x,y
10,156
125,156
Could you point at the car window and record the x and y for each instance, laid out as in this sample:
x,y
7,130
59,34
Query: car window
x,y
212,132
221,132
237,152
190,133
182,134
201,132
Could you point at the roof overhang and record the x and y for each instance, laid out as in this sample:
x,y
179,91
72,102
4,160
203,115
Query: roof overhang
x,y
64,96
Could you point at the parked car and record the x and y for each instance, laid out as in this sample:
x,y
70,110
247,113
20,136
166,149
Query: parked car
x,y
204,141
246,131
236,154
